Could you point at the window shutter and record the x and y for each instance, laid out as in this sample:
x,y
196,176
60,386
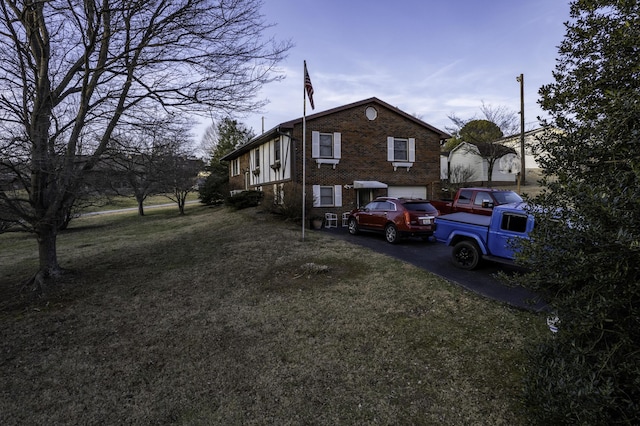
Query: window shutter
x,y
337,195
315,144
337,145
412,150
390,148
316,195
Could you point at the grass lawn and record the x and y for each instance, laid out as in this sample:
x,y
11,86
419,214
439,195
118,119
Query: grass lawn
x,y
224,317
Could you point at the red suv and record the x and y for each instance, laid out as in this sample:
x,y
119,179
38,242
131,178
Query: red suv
x,y
396,217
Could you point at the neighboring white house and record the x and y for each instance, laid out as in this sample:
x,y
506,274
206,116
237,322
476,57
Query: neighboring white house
x,y
529,142
465,164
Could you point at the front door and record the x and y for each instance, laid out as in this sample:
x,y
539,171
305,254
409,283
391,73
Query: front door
x,y
363,196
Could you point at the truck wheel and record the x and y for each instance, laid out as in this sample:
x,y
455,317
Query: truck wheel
x,y
466,255
391,233
353,226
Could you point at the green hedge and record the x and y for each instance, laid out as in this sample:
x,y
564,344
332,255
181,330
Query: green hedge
x,y
245,199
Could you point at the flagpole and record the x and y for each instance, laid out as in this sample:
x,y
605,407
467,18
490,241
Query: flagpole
x,y
304,147
307,91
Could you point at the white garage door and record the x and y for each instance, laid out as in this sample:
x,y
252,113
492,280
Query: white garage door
x,y
407,191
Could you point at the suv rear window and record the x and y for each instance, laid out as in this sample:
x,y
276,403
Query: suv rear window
x,y
419,207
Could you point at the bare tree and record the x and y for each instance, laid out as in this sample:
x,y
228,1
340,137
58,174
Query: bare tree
x,y
175,170
460,175
73,72
136,158
505,120
180,177
132,173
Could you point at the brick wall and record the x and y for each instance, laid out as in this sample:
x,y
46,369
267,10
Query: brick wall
x,y
364,151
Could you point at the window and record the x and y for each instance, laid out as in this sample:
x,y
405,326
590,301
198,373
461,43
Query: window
x,y
401,149
465,197
276,151
420,207
514,222
381,206
327,195
256,158
326,148
481,197
326,145
371,206
278,193
507,197
386,206
235,167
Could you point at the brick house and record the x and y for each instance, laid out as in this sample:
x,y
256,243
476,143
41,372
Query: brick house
x,y
354,153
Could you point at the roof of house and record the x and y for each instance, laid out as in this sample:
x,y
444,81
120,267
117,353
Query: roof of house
x,y
443,135
527,133
288,125
487,149
494,149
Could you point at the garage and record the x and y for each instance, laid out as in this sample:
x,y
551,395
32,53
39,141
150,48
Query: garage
x,y
407,191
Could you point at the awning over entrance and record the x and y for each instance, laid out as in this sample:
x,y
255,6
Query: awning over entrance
x,y
368,184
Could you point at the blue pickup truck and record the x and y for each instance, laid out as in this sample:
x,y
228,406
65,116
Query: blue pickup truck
x,y
476,237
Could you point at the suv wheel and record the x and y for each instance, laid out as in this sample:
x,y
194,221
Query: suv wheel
x,y
391,233
353,226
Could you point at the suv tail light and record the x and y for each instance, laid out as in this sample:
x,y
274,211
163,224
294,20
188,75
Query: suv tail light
x,y
407,218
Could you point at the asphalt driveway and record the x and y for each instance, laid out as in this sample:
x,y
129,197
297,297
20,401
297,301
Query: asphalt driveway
x,y
435,258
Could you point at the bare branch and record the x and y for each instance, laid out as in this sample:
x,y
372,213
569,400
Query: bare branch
x,y
74,73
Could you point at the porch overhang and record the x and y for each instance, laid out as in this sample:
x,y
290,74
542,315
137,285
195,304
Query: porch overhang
x,y
369,184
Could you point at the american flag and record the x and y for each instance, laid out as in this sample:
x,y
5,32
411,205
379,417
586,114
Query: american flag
x,y
307,85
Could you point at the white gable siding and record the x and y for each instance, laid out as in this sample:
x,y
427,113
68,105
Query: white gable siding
x,y
267,173
444,167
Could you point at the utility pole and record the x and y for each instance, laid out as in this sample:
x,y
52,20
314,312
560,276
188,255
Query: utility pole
x,y
523,169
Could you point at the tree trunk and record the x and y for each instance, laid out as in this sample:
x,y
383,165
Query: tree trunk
x,y
47,236
181,203
140,196
490,164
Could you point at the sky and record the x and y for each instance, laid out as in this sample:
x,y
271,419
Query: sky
x,y
429,58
